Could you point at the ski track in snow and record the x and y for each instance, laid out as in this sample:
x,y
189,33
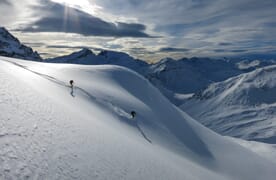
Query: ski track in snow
x,y
13,160
30,161
119,111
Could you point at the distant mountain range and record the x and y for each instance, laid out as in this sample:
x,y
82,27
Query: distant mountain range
x,y
87,57
172,77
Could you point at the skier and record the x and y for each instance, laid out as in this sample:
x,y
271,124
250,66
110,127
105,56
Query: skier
x,y
133,114
71,83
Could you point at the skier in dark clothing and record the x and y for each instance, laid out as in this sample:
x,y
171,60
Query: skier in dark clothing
x,y
133,114
72,87
71,83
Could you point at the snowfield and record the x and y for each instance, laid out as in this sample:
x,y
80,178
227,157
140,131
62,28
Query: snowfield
x,y
48,131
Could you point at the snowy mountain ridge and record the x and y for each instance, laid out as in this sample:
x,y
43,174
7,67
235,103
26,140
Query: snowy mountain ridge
x,y
87,57
193,74
50,131
171,76
243,106
12,47
81,57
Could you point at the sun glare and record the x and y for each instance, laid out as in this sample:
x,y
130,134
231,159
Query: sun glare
x,y
84,5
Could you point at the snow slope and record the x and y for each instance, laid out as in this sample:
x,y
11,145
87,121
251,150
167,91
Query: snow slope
x,y
10,46
49,132
243,106
263,149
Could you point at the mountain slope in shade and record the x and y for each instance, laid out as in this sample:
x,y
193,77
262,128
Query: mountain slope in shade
x,y
12,47
49,131
122,59
243,106
190,75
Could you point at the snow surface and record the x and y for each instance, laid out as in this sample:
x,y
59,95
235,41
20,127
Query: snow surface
x,y
266,150
49,132
243,106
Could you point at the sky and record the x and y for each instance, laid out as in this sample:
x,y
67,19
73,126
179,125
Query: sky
x,y
149,30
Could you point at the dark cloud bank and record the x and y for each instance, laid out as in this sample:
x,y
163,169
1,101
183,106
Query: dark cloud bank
x,y
66,19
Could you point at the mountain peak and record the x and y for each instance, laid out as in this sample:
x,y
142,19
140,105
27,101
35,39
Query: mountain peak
x,y
83,56
84,52
5,34
10,46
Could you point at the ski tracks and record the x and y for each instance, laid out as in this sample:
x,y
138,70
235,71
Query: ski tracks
x,y
27,148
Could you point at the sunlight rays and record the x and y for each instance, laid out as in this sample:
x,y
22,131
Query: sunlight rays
x,y
83,5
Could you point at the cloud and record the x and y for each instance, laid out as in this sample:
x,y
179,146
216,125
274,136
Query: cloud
x,y
141,51
238,50
229,50
225,44
204,22
184,27
171,49
219,50
34,44
6,8
15,13
73,47
59,18
5,2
